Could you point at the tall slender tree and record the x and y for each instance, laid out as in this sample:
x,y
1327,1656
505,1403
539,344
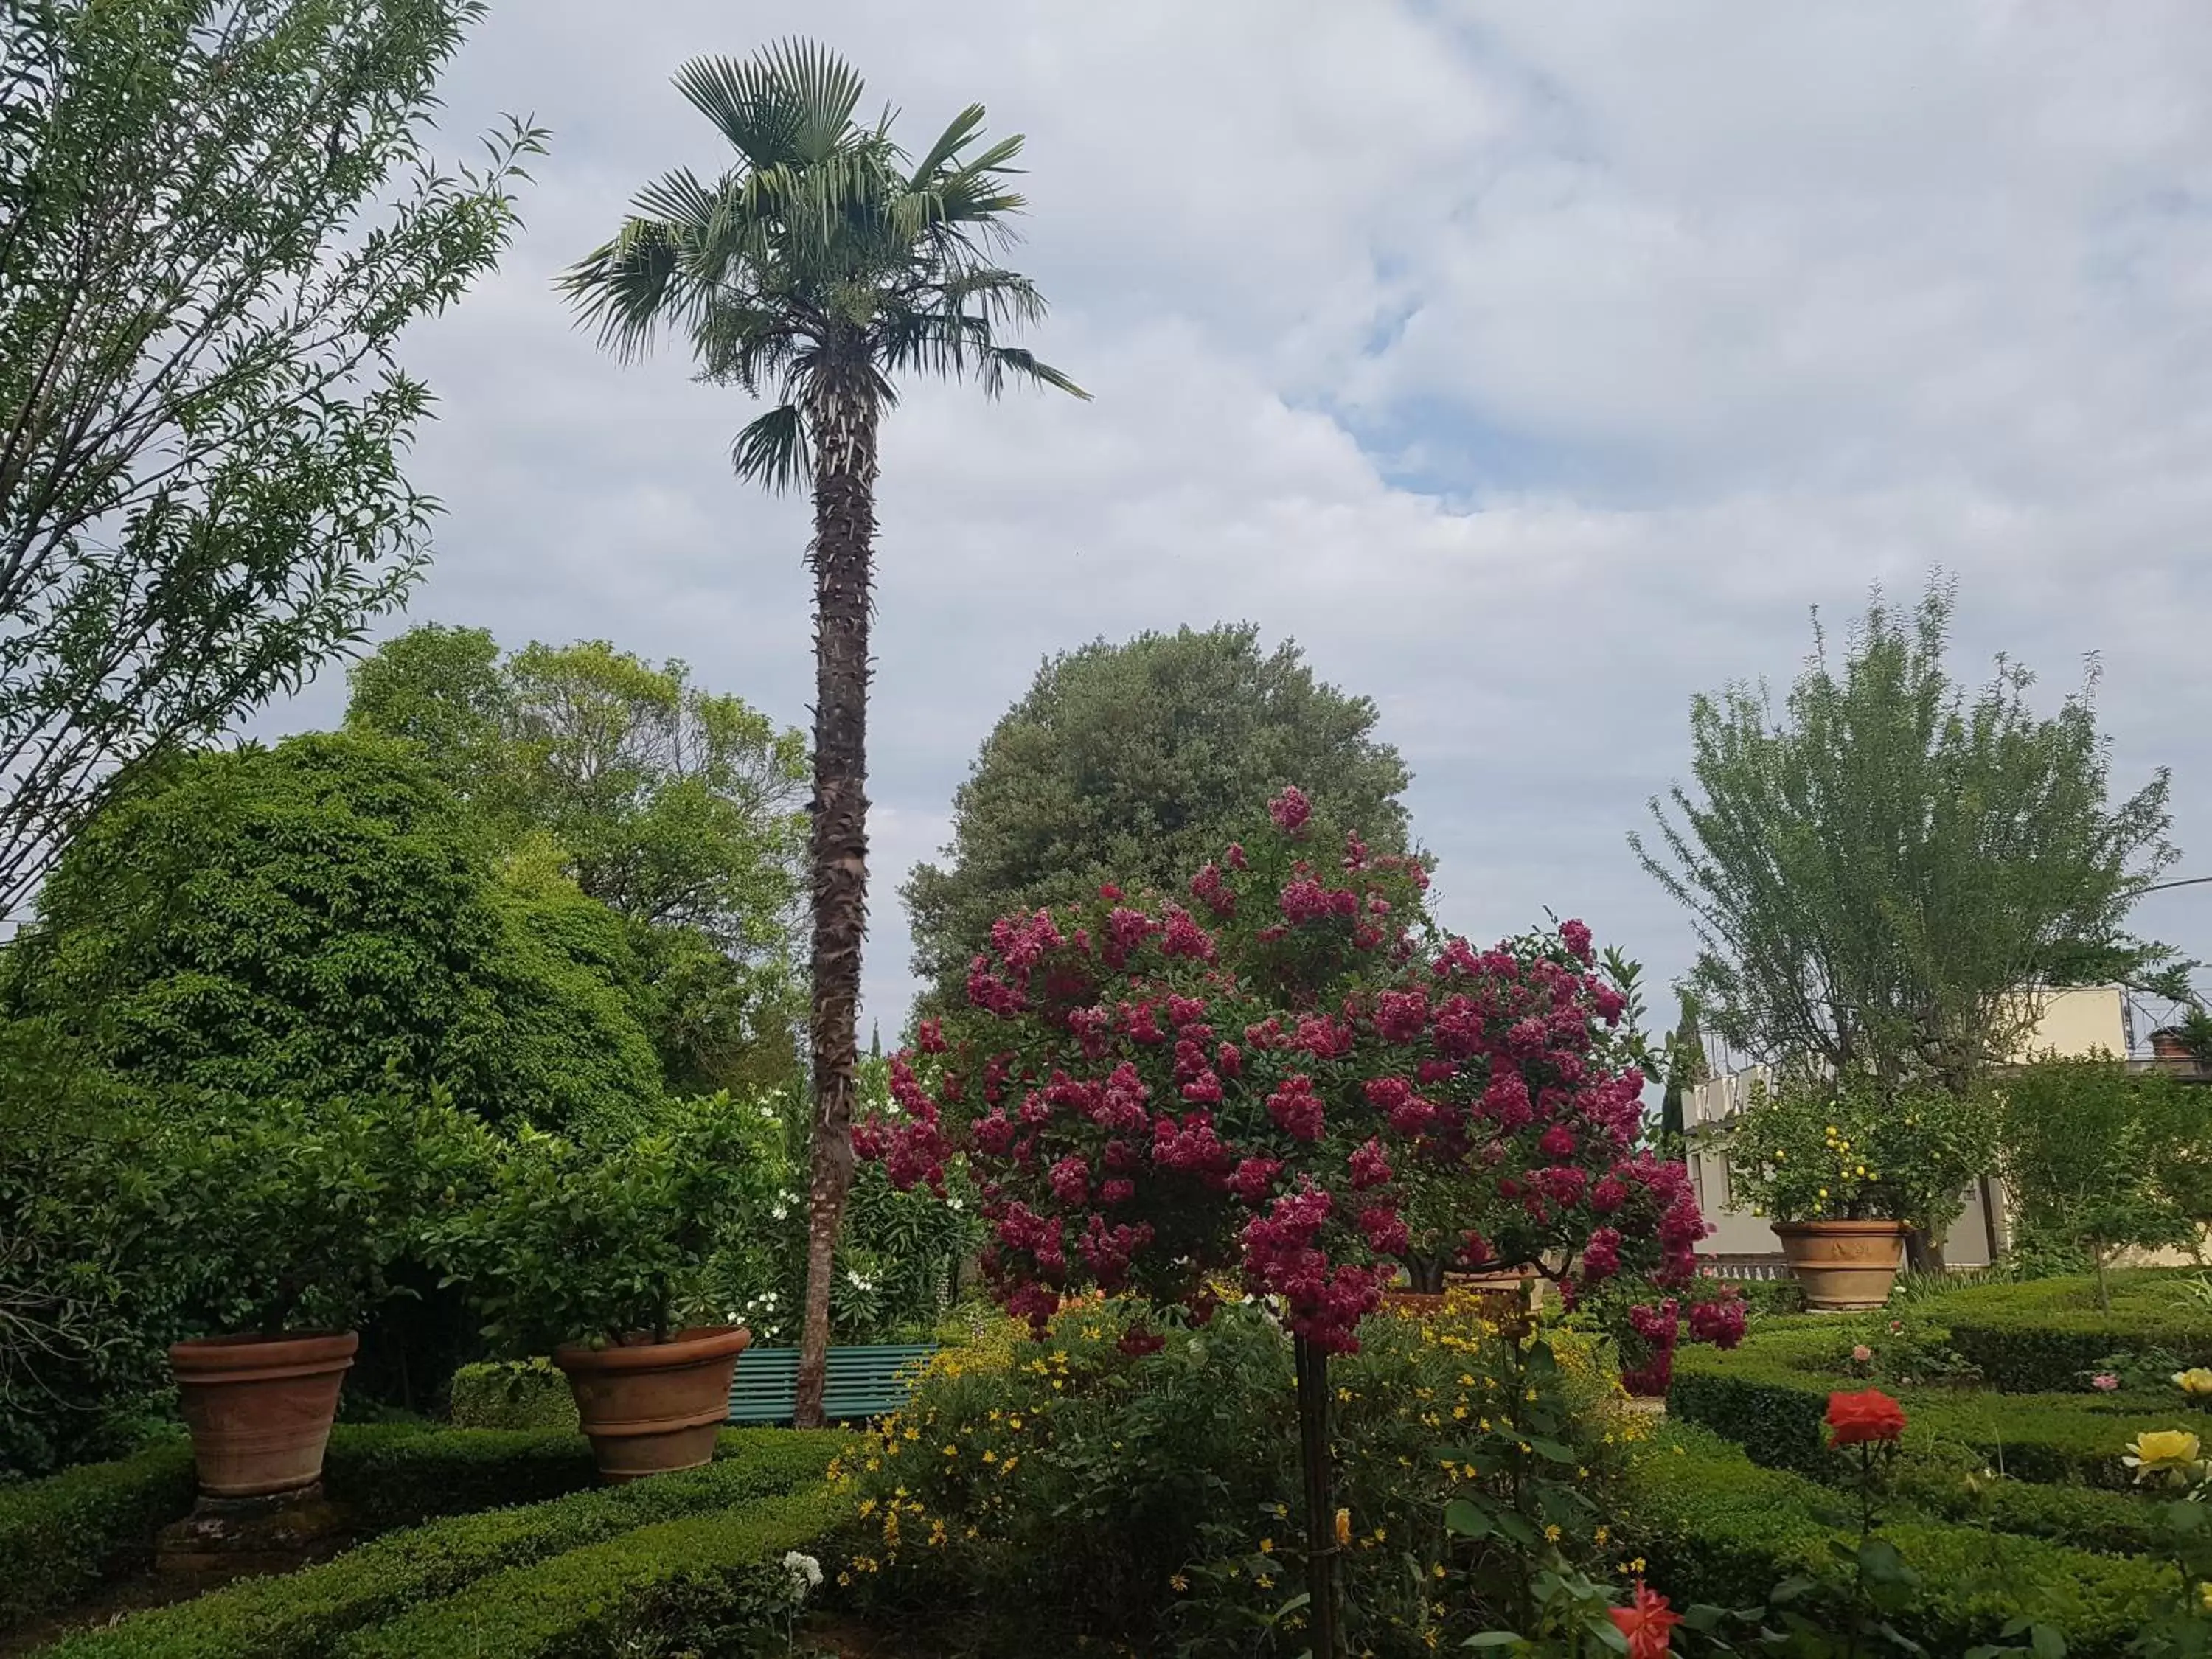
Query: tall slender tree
x,y
824,265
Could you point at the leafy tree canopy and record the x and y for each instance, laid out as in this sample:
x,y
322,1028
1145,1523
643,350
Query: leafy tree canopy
x,y
1883,873
215,222
1136,763
677,807
307,919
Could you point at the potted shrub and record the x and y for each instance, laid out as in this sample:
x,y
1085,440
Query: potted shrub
x,y
1846,1170
600,1249
273,1226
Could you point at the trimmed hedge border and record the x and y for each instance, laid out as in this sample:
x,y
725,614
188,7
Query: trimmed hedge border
x,y
2043,1334
1717,1529
300,1614
590,1599
1757,1398
59,1537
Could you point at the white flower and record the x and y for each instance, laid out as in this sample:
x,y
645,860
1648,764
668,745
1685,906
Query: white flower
x,y
779,1212
805,1572
952,1203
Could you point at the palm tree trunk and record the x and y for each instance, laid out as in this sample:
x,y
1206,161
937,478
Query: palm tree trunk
x,y
842,422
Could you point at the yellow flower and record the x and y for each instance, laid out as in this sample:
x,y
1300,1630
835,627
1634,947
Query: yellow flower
x,y
1343,1528
2194,1380
1552,1534
1178,1583
2163,1451
2204,1597
1266,1547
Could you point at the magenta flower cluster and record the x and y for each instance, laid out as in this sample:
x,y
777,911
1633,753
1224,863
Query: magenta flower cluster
x,y
1300,1090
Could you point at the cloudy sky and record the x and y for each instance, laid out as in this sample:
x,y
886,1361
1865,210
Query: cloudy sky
x,y
1533,367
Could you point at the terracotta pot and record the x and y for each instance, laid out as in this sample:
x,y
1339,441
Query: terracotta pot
x,y
1843,1264
653,1407
2166,1044
260,1408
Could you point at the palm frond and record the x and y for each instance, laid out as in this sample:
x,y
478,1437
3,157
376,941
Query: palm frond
x,y
792,101
950,142
633,287
772,450
1002,360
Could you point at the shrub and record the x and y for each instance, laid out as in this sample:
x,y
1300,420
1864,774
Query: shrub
x,y
1093,1490
298,921
1715,1527
1771,1394
60,1536
513,1394
611,1596
311,1612
2043,1334
612,1235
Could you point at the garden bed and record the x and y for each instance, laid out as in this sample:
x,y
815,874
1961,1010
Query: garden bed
x,y
61,1538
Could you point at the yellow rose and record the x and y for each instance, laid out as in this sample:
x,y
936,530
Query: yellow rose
x,y
2195,1381
2160,1451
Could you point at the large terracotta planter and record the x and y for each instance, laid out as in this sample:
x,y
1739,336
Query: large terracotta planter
x,y
1843,1264
653,1407
260,1408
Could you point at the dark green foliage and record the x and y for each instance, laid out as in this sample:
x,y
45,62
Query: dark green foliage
x,y
2044,1334
312,1612
309,919
1137,764
515,1393
1876,869
612,1233
1770,1396
215,223
602,1597
2082,1517
1717,1529
59,1537
674,807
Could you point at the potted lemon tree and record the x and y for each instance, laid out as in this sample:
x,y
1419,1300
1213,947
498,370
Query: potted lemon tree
x,y
600,1248
1845,1169
271,1226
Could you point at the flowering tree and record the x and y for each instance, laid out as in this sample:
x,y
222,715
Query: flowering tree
x,y
1297,1079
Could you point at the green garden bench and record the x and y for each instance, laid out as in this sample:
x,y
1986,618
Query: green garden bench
x,y
861,1382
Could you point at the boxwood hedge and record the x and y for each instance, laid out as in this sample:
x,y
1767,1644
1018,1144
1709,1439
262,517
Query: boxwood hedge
x,y
60,1536
1717,1529
2043,1334
601,1598
312,1611
1770,1396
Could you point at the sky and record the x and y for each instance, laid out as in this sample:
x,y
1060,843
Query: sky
x,y
1533,367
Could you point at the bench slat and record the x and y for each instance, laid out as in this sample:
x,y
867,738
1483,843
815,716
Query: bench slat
x,y
866,1382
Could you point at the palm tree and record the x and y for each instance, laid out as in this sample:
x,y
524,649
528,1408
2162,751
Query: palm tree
x,y
823,264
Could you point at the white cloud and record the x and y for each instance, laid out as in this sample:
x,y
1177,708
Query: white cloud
x,y
1709,314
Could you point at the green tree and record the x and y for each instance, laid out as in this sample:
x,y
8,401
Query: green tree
x,y
676,807
1137,764
216,221
2101,1159
310,919
823,264
1883,875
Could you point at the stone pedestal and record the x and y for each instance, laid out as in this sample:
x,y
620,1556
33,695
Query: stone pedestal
x,y
229,1537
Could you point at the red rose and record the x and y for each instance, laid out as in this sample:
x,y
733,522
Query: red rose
x,y
1870,1414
